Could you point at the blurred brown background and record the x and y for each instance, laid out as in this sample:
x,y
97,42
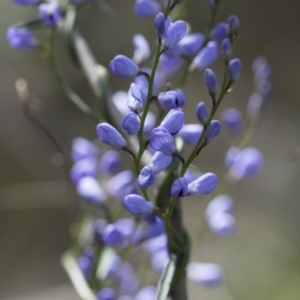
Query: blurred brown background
x,y
261,259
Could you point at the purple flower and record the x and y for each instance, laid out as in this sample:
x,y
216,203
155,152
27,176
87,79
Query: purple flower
x,y
20,38
146,177
123,66
110,136
89,189
210,79
98,228
232,119
169,65
155,244
231,155
146,293
179,188
149,123
136,98
248,163
203,185
174,33
82,148
26,2
110,162
141,48
161,140
220,204
112,236
173,121
146,8
126,226
159,260
254,104
82,168
191,133
131,123
85,265
226,48
219,32
160,162
119,185
234,69
160,24
106,294
202,113
50,13
137,205
207,274
208,55
120,99
172,99
221,223
129,282
265,88
233,22
191,44
213,130
190,176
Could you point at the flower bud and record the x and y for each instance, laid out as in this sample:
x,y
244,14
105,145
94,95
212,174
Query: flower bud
x,y
160,162
160,24
207,274
191,44
85,265
126,226
129,282
221,223
232,119
161,140
110,136
219,32
146,293
155,244
146,177
159,260
231,155
146,8
213,130
131,123
50,13
202,113
220,204
234,23
112,236
179,188
174,33
203,185
171,99
169,65
265,88
120,184
190,133
90,190
234,69
141,48
110,162
173,121
150,122
254,104
26,2
190,176
20,38
210,79
135,99
106,294
120,99
208,55
123,66
82,168
137,205
82,148
226,48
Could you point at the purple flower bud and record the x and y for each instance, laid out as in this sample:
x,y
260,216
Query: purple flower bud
x,y
190,133
173,121
149,123
221,223
160,162
220,204
171,99
119,185
110,136
174,33
136,98
191,44
137,205
265,88
89,252
159,260
262,72
169,65
181,96
20,38
155,244
141,48
146,293
125,297
254,104
207,274
160,24
110,162
213,130
129,282
82,168
120,99
190,176
126,226
112,236
50,13
219,32
234,69
179,188
26,2
226,48
233,22
90,190
248,163
85,265
232,119
231,155
131,123
210,79
82,148
161,140
106,294
123,66
258,61
146,8
203,185
146,177
202,113
206,56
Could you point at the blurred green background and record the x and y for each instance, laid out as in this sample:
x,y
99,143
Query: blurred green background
x,y
37,205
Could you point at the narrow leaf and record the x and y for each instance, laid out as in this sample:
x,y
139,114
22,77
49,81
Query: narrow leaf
x,y
166,279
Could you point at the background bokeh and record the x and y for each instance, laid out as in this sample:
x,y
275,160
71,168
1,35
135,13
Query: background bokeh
x,y
261,259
